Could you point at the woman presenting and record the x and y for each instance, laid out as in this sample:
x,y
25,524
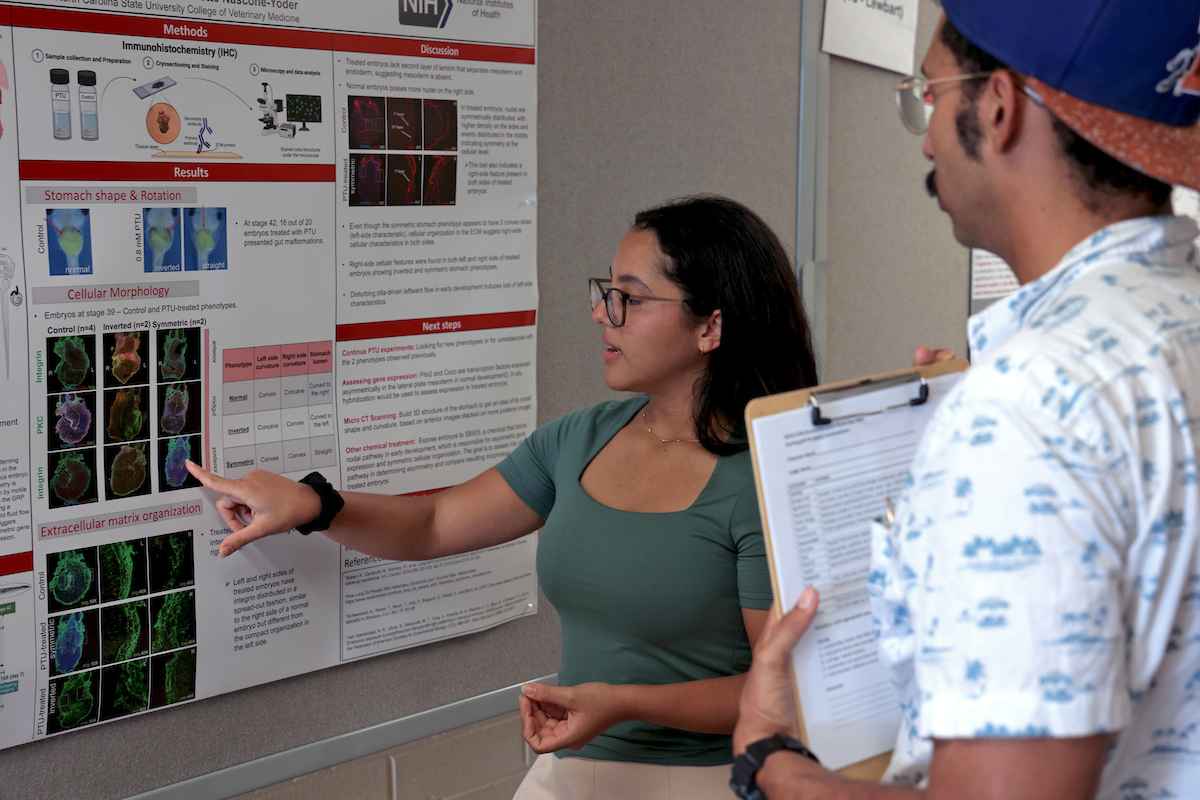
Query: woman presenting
x,y
651,547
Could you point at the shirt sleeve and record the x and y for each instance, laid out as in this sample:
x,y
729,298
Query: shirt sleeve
x,y
753,574
529,469
1013,541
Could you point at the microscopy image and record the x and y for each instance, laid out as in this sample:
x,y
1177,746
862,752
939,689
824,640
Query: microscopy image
x,y
127,469
125,689
367,125
440,180
72,478
172,620
128,358
171,562
173,455
164,240
124,631
207,246
69,243
73,701
122,570
368,179
403,123
172,678
127,414
179,405
72,579
403,180
441,124
179,354
74,414
71,364
74,641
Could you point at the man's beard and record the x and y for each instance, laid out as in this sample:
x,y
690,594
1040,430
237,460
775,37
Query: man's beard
x,y
931,183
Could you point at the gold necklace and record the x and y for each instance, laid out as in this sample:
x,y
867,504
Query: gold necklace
x,y
664,441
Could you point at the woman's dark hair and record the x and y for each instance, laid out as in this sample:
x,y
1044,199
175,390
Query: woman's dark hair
x,y
1101,175
723,256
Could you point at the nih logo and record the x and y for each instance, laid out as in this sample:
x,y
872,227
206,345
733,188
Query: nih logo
x,y
425,13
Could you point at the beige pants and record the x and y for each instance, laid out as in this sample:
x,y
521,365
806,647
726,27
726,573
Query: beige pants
x,y
553,778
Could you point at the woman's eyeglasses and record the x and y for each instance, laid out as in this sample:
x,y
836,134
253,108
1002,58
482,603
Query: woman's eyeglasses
x,y
616,301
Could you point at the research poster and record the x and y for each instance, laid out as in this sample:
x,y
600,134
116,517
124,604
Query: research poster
x,y
257,234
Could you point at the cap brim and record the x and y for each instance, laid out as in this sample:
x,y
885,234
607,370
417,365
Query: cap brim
x,y
1168,153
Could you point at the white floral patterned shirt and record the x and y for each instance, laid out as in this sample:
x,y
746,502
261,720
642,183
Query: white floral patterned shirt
x,y
1043,574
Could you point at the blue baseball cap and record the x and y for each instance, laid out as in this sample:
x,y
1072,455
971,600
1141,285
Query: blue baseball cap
x,y
1123,74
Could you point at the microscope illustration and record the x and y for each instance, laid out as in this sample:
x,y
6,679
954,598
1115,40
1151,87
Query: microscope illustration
x,y
270,108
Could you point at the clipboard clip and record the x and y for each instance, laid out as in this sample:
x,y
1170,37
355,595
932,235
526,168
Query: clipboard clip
x,y
870,385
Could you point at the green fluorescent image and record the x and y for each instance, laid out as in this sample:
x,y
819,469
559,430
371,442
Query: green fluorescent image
x,y
175,623
127,688
181,676
75,700
116,570
72,578
121,631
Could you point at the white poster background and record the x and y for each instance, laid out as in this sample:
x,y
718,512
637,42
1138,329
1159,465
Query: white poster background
x,y
882,33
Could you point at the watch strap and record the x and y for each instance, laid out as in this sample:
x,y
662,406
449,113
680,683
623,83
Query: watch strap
x,y
746,766
331,503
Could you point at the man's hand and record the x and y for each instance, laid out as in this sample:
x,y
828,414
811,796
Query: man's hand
x,y
926,356
568,717
766,707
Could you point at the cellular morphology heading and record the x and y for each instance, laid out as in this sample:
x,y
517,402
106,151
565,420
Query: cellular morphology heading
x,y
74,419
128,472
125,358
175,406
174,353
125,418
70,635
74,361
72,578
71,478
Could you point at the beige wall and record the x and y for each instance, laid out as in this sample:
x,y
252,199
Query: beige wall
x,y
480,762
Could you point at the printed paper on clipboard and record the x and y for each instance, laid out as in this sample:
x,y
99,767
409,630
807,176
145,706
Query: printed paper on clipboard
x,y
824,462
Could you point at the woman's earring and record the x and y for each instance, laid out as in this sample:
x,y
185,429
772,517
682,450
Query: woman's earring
x,y
701,349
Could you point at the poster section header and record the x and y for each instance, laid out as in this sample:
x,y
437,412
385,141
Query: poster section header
x,y
415,327
123,171
216,33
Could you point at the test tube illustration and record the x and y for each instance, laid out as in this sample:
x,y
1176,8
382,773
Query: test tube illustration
x,y
89,111
60,102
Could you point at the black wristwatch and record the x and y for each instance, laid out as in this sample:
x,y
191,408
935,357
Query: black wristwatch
x,y
747,765
331,503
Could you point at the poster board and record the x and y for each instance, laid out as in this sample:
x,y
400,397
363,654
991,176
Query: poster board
x,y
285,235
787,588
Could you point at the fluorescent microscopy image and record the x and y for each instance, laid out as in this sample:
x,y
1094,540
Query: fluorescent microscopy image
x,y
171,562
174,621
74,364
123,633
441,124
74,701
173,364
126,415
175,409
68,643
368,179
440,180
125,689
403,180
71,579
173,678
127,473
122,570
71,479
126,360
74,420
179,450
367,127
403,123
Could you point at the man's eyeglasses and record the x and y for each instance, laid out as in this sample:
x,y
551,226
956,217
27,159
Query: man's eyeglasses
x,y
615,301
914,98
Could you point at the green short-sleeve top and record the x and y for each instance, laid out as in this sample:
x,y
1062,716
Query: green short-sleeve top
x,y
644,598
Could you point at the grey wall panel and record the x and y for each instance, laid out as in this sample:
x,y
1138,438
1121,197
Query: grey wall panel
x,y
897,278
638,102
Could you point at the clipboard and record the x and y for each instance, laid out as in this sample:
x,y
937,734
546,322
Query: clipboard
x,y
844,402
